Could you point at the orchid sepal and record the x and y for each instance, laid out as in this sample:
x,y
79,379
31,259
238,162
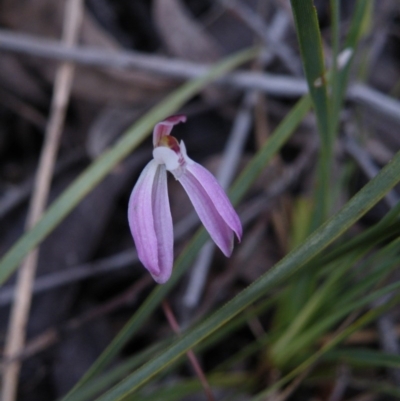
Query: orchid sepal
x,y
150,221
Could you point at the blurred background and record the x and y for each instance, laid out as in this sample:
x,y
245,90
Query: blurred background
x,y
133,53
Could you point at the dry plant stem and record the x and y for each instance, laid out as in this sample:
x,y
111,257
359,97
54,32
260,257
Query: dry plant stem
x,y
277,85
258,25
190,354
162,66
58,279
20,309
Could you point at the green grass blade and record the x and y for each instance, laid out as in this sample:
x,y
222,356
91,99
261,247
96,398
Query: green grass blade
x,y
101,383
377,387
186,388
287,340
309,37
310,43
291,341
245,352
319,240
279,137
335,92
328,116
312,334
364,358
361,322
104,164
340,79
104,381
309,337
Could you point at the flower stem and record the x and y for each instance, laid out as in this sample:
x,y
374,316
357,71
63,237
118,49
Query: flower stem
x,y
190,354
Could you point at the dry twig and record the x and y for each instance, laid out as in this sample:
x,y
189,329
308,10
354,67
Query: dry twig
x,y
277,85
190,354
23,295
271,37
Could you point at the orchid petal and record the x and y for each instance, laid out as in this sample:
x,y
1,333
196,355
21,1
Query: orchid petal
x,y
150,221
218,196
212,206
164,128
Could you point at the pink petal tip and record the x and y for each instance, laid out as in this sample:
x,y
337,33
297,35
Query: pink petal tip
x,y
164,127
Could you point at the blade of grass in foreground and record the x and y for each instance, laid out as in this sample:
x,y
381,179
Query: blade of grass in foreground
x,y
192,387
361,322
349,306
291,342
364,357
309,37
310,43
65,203
312,334
327,109
319,240
278,352
340,79
335,34
106,380
240,187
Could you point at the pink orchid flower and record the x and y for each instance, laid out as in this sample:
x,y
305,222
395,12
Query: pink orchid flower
x,y
149,212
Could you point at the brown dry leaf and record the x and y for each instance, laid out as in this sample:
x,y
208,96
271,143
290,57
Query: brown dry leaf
x,y
108,125
230,31
182,34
